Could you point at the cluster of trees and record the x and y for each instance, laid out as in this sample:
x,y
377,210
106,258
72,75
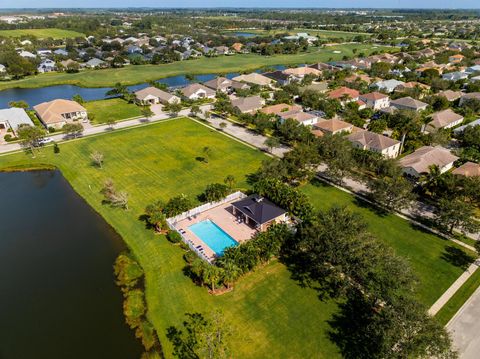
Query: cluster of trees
x,y
112,196
156,214
201,336
129,277
379,315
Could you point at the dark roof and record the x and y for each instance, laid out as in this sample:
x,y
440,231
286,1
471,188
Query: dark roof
x,y
277,76
259,209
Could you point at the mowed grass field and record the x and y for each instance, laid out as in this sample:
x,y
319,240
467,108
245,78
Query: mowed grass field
x,y
270,314
42,33
115,108
435,261
131,75
322,34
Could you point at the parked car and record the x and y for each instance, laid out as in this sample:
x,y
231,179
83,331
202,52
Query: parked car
x,y
45,140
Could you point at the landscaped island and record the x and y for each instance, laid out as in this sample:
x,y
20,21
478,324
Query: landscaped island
x,y
269,313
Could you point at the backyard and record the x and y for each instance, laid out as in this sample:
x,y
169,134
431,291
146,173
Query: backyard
x,y
270,314
42,33
116,109
131,75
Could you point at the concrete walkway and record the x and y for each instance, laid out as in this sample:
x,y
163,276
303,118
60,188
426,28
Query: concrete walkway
x,y
93,130
453,288
464,328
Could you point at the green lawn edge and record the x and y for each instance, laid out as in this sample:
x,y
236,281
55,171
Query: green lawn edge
x,y
136,74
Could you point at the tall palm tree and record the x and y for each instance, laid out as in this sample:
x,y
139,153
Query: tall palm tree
x,y
230,274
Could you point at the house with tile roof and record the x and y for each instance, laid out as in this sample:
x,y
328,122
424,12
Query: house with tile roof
x,y
468,169
59,112
371,141
420,162
152,95
409,103
333,126
344,95
443,119
249,104
375,100
197,91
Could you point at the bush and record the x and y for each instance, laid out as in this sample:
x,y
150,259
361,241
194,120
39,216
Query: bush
x,y
190,257
51,130
127,271
134,307
174,237
8,137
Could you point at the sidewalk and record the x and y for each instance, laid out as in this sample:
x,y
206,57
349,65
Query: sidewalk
x,y
96,129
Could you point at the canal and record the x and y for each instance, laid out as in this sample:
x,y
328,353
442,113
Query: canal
x,y
58,296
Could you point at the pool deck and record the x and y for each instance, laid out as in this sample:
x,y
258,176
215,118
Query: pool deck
x,y
223,217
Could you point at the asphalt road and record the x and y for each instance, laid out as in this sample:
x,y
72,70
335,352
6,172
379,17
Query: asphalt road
x,y
465,328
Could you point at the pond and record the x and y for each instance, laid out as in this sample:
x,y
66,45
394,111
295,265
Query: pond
x,y
34,96
243,34
58,296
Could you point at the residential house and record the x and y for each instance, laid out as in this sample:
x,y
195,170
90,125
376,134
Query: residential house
x,y
304,118
344,95
46,65
237,47
236,85
456,59
221,84
412,85
254,78
315,86
57,113
61,52
280,77
460,129
134,49
300,72
27,54
443,119
3,68
469,96
44,52
249,104
280,108
333,126
371,141
387,85
450,95
468,169
197,91
420,162
223,50
95,63
375,100
472,69
408,103
323,66
455,76
152,95
13,118
258,212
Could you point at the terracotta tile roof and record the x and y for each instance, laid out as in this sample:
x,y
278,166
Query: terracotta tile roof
x,y
302,71
426,156
468,169
343,91
450,95
153,91
444,118
372,140
278,109
51,112
373,96
333,125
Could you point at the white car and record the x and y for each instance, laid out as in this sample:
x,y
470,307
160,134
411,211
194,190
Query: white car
x,y
45,140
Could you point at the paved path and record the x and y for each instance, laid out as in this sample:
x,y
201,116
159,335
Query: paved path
x,y
465,328
453,289
93,130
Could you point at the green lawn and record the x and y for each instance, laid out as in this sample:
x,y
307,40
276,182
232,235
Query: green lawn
x,y
429,255
459,298
322,34
131,75
42,33
270,314
116,108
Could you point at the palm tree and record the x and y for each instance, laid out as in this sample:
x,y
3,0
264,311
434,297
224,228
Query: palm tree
x,y
194,110
211,275
230,181
230,274
117,90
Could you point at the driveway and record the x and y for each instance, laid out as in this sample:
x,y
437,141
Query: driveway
x,y
465,328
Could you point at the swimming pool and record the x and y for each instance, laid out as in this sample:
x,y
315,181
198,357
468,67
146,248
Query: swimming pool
x,y
213,236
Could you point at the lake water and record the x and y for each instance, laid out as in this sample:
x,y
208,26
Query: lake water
x,y
243,34
34,96
58,298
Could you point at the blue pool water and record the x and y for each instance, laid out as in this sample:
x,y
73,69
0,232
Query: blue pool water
x,y
213,236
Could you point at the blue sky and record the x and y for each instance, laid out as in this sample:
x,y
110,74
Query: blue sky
x,y
244,3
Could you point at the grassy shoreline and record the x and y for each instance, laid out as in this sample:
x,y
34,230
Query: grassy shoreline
x,y
137,74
